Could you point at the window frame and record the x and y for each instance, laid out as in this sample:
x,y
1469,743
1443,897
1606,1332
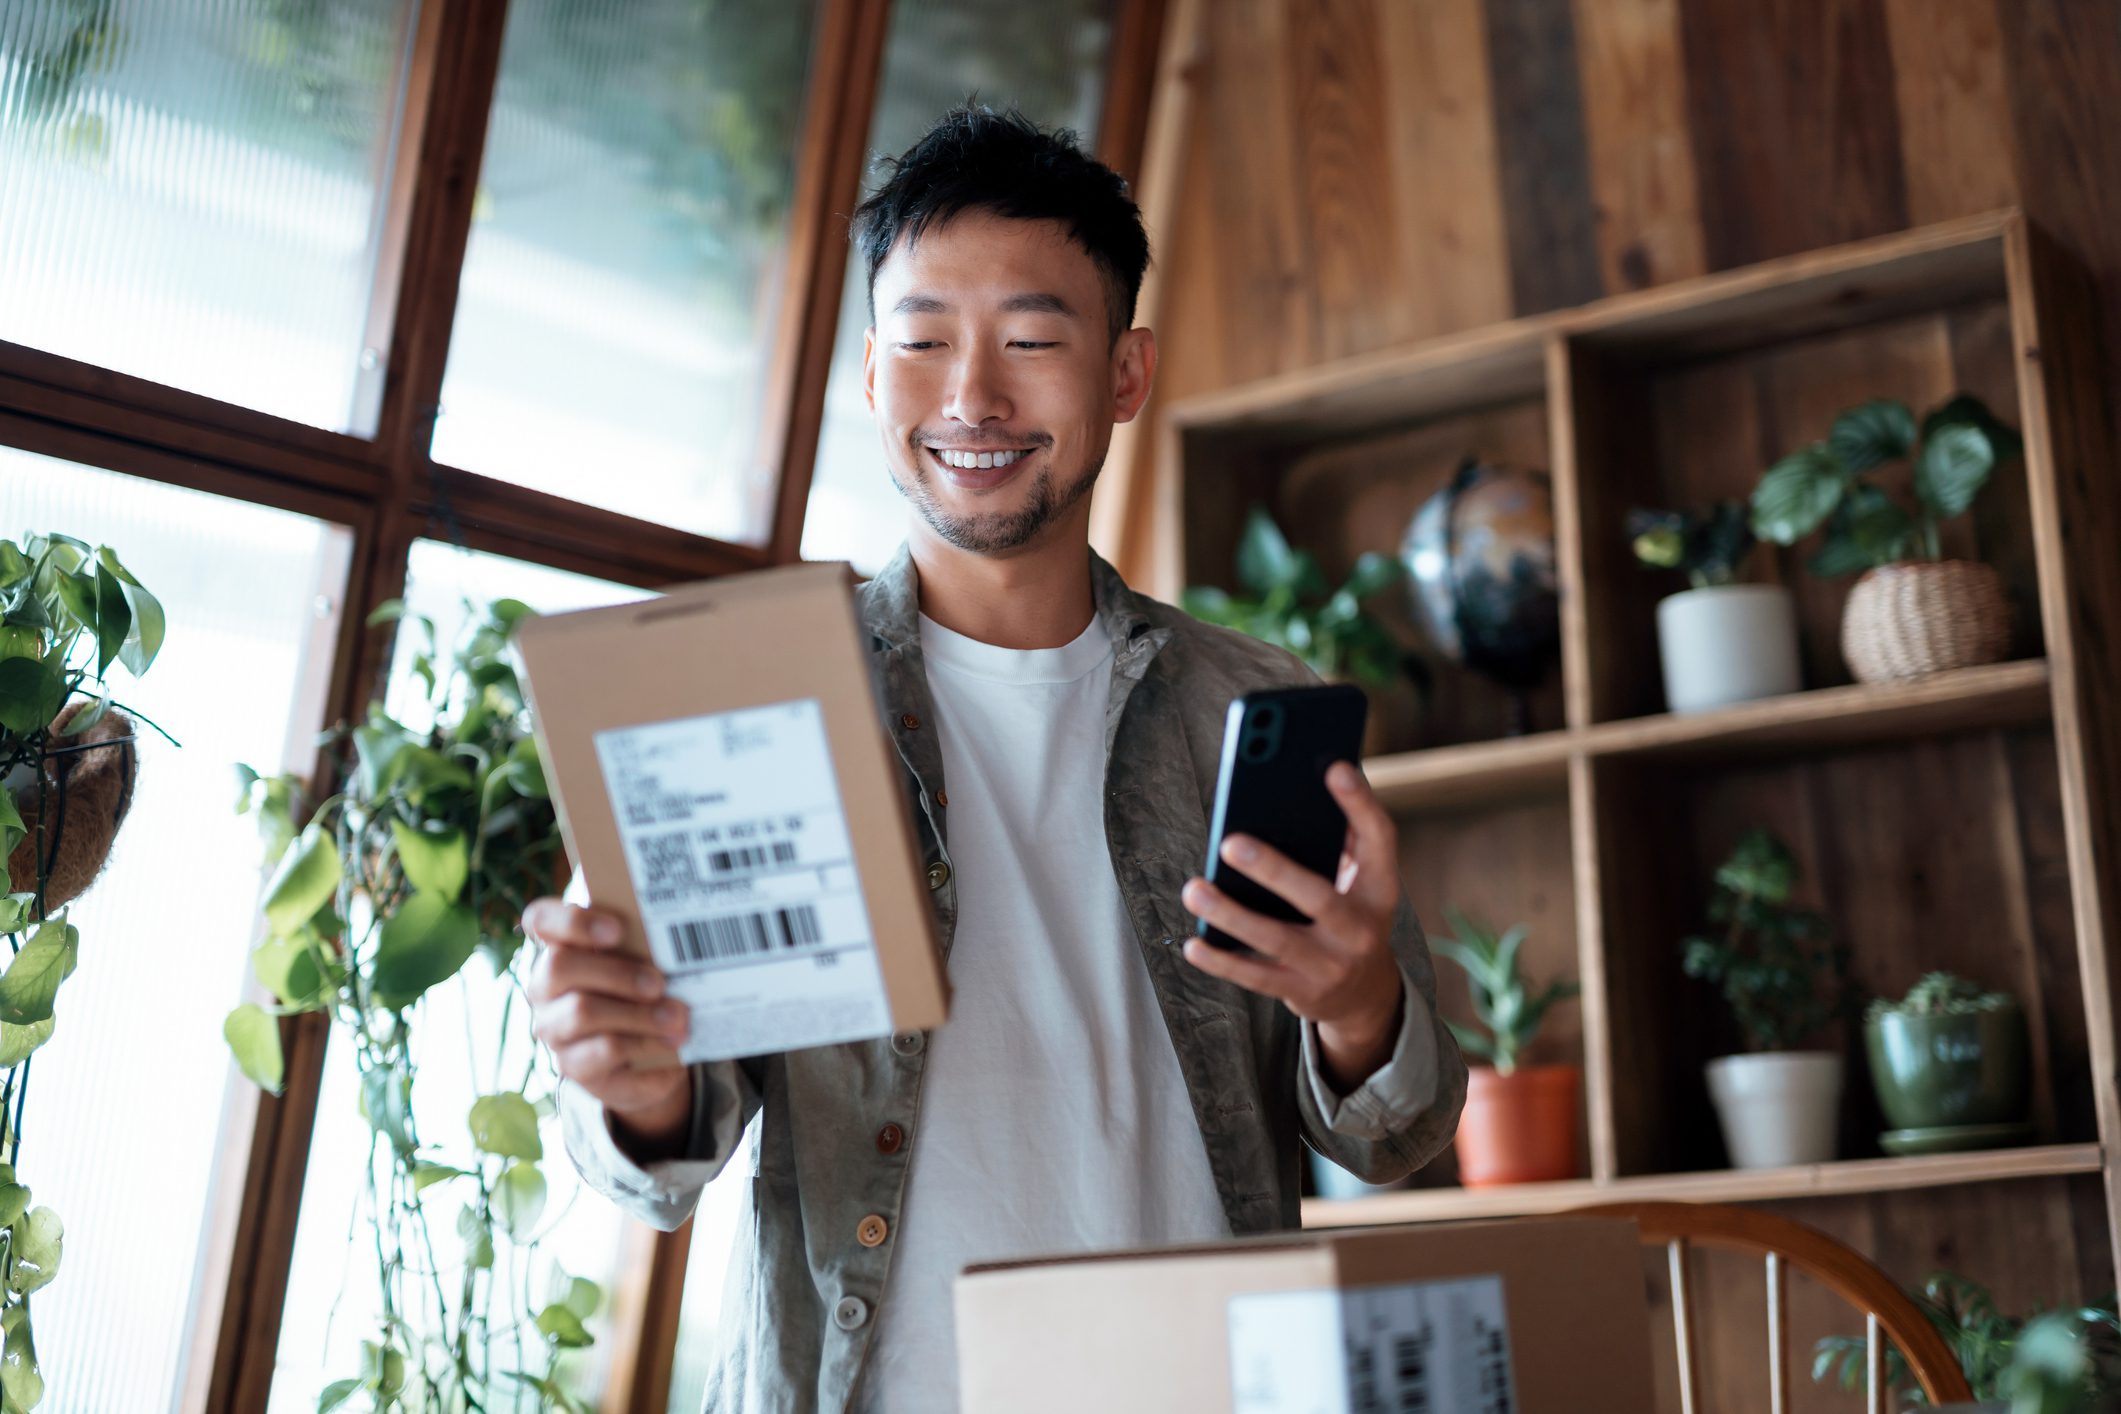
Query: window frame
x,y
387,491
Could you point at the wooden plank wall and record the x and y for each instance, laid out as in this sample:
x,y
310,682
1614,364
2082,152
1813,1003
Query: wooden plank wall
x,y
1362,173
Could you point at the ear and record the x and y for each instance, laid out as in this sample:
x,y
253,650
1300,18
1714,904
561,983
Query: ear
x,y
869,366
1133,371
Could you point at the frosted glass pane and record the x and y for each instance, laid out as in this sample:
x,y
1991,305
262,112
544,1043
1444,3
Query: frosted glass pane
x,y
463,1050
188,190
126,1099
1048,59
626,257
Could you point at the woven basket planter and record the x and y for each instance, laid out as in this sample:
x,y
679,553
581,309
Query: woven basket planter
x,y
96,788
1909,620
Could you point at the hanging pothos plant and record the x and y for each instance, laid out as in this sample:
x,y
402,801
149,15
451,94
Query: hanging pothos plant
x,y
424,858
68,611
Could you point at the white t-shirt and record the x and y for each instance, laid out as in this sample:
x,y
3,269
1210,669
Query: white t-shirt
x,y
1053,1115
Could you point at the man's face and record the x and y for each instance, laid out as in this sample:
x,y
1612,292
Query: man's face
x,y
994,377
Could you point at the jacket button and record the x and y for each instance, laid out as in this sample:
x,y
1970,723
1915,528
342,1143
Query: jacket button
x,y
910,722
851,1313
890,1139
872,1232
938,874
908,1043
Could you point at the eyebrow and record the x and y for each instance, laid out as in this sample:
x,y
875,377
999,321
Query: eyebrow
x,y
1029,302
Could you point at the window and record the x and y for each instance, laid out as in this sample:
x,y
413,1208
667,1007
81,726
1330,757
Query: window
x,y
189,192
124,1128
332,1295
622,282
1047,59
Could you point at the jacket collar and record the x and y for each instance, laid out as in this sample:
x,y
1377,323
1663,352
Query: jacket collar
x,y
891,606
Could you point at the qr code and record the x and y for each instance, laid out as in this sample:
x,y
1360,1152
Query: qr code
x,y
668,860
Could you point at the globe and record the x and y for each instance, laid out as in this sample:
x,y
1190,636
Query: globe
x,y
1482,576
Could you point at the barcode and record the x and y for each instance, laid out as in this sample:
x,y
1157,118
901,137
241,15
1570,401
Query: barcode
x,y
1410,1369
668,860
748,857
746,934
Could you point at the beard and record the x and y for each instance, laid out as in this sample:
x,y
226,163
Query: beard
x,y
996,532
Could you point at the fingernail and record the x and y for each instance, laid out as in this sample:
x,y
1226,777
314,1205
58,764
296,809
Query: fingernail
x,y
606,930
669,1014
648,982
1239,850
1341,774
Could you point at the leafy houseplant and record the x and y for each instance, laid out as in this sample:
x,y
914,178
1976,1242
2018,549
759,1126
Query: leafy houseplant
x,y
1949,1062
1289,603
68,611
2056,1362
1719,641
1519,1124
424,858
1784,980
1913,612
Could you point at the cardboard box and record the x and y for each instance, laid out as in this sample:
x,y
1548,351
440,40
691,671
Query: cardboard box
x,y
724,784
1540,1316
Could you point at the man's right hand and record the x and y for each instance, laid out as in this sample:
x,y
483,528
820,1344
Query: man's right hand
x,y
611,1029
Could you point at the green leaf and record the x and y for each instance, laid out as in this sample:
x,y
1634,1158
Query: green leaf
x,y
582,1297
1760,866
505,1124
254,1037
36,1244
1954,466
387,612
478,1239
386,1103
519,1199
426,1175
20,640
378,746
384,1366
1209,605
31,983
436,861
149,627
31,694
426,941
288,969
80,721
114,618
14,565
527,770
308,878
335,1394
1373,572
16,1042
12,829
77,600
1798,493
1876,432
1867,529
14,1202
20,1378
16,910
1264,560
1473,1043
563,1328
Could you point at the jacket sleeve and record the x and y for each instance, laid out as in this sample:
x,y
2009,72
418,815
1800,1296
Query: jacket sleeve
x,y
1407,1111
725,1095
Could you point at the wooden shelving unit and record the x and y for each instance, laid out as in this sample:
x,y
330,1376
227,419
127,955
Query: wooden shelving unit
x,y
1969,821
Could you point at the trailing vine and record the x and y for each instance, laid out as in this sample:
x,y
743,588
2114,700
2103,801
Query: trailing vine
x,y
423,860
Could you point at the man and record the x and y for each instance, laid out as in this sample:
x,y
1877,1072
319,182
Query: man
x,y
1105,1080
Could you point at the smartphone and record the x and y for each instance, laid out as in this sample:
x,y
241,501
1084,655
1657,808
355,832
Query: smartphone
x,y
1272,786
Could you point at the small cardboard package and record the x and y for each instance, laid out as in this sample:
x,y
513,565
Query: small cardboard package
x,y
724,784
1539,1316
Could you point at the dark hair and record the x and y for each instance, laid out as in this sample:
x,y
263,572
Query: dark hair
x,y
977,159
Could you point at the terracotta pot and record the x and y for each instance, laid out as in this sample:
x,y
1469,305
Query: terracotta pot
x,y
95,785
1520,1127
1909,620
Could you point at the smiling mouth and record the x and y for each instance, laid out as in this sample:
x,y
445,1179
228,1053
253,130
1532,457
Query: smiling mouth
x,y
978,461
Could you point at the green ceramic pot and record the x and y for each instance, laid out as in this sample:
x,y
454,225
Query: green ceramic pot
x,y
1933,1071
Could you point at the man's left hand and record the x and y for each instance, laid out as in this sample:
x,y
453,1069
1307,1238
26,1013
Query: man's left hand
x,y
1337,971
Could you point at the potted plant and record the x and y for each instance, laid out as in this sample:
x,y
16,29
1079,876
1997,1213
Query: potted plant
x,y
1913,612
1784,981
1948,1061
1519,1124
421,861
2049,1362
1289,603
1719,641
69,612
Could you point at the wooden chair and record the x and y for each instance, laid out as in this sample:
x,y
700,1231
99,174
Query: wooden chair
x,y
1889,1312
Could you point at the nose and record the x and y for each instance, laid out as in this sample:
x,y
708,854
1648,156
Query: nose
x,y
974,395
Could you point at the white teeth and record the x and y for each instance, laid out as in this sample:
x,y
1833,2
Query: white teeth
x,y
976,461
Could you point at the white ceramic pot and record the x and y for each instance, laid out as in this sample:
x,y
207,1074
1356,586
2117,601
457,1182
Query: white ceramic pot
x,y
1777,1109
1727,643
